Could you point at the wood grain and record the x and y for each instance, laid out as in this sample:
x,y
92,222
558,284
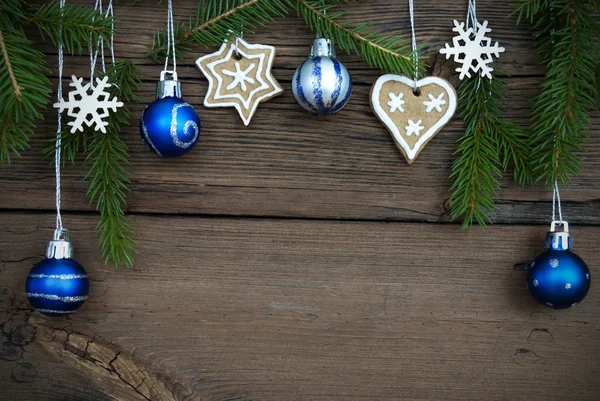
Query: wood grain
x,y
254,309
300,258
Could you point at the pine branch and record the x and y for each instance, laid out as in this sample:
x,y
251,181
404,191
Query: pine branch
x,y
13,80
23,92
78,23
107,186
71,145
25,89
108,178
528,9
489,145
216,20
475,171
384,52
566,31
512,140
12,13
513,145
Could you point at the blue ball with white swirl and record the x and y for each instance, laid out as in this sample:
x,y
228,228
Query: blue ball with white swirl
x,y
57,286
322,85
558,279
170,127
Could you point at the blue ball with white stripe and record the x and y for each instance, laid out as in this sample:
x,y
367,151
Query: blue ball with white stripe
x,y
322,84
57,285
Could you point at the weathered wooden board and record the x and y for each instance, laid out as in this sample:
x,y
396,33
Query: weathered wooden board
x,y
276,262
288,163
255,309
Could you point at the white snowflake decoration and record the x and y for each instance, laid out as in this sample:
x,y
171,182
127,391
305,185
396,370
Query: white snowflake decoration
x,y
476,48
84,106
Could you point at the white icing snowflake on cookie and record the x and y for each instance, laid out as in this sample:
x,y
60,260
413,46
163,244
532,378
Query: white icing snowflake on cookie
x,y
434,103
396,102
413,128
239,77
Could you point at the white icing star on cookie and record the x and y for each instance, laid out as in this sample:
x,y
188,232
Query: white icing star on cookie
x,y
396,102
413,128
434,103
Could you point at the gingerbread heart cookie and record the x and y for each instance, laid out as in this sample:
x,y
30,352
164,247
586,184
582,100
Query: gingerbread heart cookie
x,y
412,118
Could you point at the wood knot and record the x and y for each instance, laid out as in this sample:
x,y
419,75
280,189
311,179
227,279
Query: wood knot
x,y
524,356
447,206
22,335
24,373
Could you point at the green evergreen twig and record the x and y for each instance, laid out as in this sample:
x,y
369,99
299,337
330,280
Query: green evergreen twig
x,y
77,23
108,178
566,31
24,88
382,51
71,145
490,144
216,20
24,91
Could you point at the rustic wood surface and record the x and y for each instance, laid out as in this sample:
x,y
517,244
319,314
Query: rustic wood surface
x,y
300,258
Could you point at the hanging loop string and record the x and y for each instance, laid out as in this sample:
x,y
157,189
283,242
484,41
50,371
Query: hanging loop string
x,y
58,152
111,12
556,204
414,43
237,42
100,42
318,28
94,54
472,16
170,38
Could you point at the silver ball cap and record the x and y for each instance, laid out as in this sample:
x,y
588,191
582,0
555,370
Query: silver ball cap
x,y
60,247
168,86
322,47
559,240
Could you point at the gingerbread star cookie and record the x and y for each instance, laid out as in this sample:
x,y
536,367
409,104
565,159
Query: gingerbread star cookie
x,y
412,118
239,75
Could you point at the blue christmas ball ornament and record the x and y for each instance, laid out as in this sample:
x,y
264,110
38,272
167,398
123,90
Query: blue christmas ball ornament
x,y
169,126
558,278
322,85
57,285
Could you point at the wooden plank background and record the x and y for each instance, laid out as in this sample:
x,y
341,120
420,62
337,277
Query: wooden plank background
x,y
300,258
